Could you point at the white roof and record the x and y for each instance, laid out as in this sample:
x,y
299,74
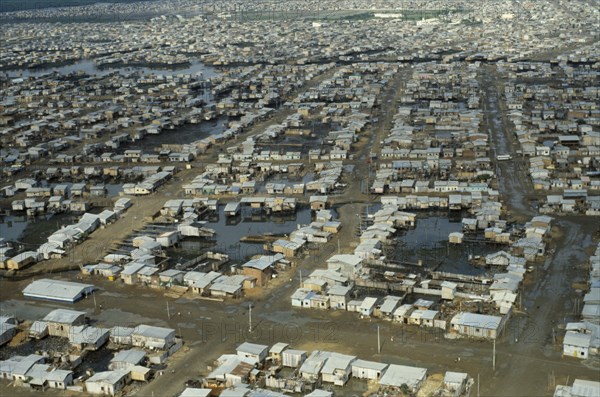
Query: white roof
x,y
389,304
368,303
314,363
120,332
337,361
58,375
293,352
339,290
252,348
278,348
455,377
585,388
38,327
82,334
397,375
59,290
577,339
132,268
232,206
329,274
263,262
369,365
429,314
227,363
206,279
352,260
150,331
319,393
63,316
476,320
108,377
132,356
19,365
195,392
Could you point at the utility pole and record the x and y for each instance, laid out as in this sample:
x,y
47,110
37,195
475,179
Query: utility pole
x,y
300,270
168,311
478,384
521,299
494,357
250,318
378,341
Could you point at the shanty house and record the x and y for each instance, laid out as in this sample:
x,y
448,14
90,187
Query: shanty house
x,y
576,344
275,352
456,382
107,382
292,358
396,376
252,351
337,369
153,337
126,359
477,325
370,370
62,321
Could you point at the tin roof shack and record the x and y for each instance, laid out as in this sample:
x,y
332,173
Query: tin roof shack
x,y
577,344
121,335
339,295
275,352
231,370
107,382
195,392
61,322
23,260
140,373
129,275
127,359
293,358
477,325
232,209
347,265
47,376
57,290
311,367
253,352
171,277
107,216
8,329
370,370
456,382
200,282
580,388
38,330
367,306
287,248
318,202
122,205
83,337
261,268
17,367
231,286
151,337
389,305
319,393
397,377
337,369
168,239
